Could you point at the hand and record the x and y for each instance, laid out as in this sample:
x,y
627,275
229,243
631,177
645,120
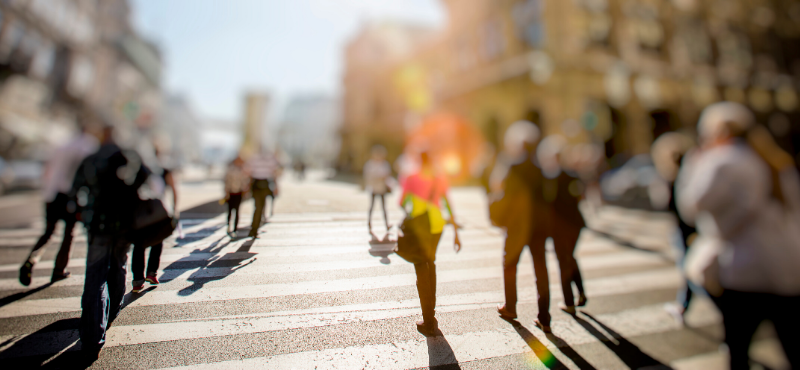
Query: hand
x,y
457,244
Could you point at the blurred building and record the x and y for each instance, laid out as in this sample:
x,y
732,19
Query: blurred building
x,y
60,58
309,130
178,131
372,111
255,122
614,72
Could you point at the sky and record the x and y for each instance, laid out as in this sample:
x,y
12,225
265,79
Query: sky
x,y
214,50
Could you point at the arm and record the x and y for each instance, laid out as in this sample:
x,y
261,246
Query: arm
x,y
170,180
457,242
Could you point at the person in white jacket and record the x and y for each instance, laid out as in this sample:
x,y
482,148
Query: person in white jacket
x,y
743,193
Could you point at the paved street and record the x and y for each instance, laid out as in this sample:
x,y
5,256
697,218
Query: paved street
x,y
314,292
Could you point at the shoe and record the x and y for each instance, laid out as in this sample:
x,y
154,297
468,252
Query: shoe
x,y
568,309
138,287
582,300
505,313
59,277
25,273
545,328
428,329
90,355
676,311
152,279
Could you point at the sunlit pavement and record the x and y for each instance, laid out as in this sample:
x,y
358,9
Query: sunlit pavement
x,y
314,292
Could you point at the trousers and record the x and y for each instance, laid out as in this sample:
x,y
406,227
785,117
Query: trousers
x,y
103,289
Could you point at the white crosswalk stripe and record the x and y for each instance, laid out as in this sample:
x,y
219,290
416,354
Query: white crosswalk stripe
x,y
303,257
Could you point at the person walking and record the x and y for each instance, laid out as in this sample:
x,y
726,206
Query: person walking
x,y
667,152
562,191
377,174
423,192
154,260
743,193
58,176
517,206
105,188
237,183
263,169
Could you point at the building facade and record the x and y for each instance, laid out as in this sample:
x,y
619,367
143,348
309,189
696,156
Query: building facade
x,y
59,59
616,72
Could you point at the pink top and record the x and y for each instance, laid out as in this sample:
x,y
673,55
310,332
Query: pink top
x,y
421,185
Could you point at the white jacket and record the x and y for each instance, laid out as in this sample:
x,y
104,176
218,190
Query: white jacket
x,y
728,191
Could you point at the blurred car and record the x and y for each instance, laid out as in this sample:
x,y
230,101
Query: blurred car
x,y
20,174
635,184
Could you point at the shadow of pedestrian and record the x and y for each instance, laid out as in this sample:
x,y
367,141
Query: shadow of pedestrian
x,y
629,353
440,354
539,349
382,247
222,268
196,235
17,296
52,347
569,352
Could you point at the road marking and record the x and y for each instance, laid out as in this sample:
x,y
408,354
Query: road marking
x,y
656,279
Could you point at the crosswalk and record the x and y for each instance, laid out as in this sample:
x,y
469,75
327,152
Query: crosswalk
x,y
314,292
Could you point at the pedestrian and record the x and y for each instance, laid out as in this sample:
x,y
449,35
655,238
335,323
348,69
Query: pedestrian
x,y
105,188
263,169
377,174
423,192
58,175
743,193
518,207
667,152
137,263
237,183
562,190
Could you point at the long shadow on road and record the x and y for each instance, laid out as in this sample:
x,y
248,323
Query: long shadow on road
x,y
629,353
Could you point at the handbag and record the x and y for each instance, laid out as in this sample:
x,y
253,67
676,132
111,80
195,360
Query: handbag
x,y
418,244
151,223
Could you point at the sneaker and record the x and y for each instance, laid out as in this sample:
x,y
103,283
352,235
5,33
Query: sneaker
x,y
58,277
676,311
545,328
138,287
152,279
568,309
582,300
505,313
25,273
428,329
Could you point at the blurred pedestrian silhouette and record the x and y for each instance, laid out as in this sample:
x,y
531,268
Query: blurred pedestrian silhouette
x,y
517,206
263,169
300,169
743,193
237,184
533,203
137,263
562,192
668,151
58,176
377,174
422,228
106,190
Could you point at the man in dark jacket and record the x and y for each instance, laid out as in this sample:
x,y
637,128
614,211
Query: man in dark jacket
x,y
518,207
105,190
